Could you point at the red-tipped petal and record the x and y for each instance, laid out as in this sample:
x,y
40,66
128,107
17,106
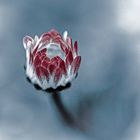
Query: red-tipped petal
x,y
57,75
54,61
42,57
58,59
53,32
46,35
31,57
43,50
45,64
69,59
37,61
57,38
69,42
40,71
66,51
45,73
47,59
63,67
49,35
51,68
63,46
35,50
76,64
76,47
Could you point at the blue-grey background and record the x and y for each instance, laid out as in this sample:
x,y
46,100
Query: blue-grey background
x,y
103,100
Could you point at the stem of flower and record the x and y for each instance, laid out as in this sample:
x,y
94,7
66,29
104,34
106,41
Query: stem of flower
x,y
67,117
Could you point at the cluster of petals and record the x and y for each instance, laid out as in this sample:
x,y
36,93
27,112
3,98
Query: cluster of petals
x,y
52,60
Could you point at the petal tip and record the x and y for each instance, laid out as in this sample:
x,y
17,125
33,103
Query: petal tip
x,y
27,40
65,34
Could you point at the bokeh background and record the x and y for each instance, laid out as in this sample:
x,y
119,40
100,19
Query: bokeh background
x,y
103,101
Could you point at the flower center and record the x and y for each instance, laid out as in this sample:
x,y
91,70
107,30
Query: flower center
x,y
53,50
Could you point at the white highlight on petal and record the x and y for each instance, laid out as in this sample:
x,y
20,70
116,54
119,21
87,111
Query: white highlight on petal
x,y
24,43
35,42
36,38
65,34
27,41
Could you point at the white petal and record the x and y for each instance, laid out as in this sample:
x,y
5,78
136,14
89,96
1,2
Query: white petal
x,y
36,42
65,34
36,38
27,41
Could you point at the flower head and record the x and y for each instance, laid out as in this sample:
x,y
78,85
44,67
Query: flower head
x,y
51,60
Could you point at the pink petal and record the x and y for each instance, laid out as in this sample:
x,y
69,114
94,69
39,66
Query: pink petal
x,y
76,64
69,42
54,32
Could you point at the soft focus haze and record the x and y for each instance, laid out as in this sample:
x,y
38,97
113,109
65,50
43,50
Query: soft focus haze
x,y
104,100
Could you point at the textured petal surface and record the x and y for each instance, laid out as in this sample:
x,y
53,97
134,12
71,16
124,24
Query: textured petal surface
x,y
76,47
76,64
53,60
27,41
57,75
51,68
69,58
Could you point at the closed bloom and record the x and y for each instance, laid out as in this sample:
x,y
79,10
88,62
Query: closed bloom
x,y
51,60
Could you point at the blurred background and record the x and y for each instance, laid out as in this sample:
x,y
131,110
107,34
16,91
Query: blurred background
x,y
103,103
